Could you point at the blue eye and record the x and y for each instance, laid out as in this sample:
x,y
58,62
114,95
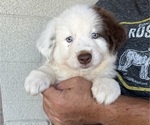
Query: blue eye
x,y
95,35
69,39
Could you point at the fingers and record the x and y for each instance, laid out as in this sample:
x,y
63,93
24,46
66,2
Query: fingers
x,y
47,103
51,116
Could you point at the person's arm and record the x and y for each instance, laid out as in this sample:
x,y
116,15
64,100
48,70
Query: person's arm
x,y
71,103
125,111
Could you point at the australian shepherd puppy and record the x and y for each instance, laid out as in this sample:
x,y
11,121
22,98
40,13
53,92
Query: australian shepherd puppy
x,y
82,41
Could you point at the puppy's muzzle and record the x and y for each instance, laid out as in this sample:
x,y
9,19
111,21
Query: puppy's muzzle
x,y
84,58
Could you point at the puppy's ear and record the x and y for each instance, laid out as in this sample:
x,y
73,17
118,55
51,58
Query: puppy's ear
x,y
113,32
46,42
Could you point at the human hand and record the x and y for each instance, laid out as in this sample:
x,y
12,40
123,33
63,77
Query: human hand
x,y
70,102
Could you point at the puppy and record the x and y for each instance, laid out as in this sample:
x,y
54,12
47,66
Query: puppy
x,y
82,41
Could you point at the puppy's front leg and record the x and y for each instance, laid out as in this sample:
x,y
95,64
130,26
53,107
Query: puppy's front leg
x,y
39,80
105,90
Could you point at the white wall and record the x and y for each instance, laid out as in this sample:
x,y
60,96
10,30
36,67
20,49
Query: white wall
x,y
21,22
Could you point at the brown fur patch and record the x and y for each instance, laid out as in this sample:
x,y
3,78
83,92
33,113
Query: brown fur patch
x,y
113,32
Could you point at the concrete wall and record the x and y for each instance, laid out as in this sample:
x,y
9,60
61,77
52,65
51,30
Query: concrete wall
x,y
21,22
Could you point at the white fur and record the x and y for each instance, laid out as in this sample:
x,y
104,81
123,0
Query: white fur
x,y
79,22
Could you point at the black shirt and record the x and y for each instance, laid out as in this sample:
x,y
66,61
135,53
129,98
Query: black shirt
x,y
133,59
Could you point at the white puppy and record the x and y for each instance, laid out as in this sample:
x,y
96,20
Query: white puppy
x,y
82,41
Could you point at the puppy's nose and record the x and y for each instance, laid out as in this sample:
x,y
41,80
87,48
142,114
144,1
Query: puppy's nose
x,y
85,58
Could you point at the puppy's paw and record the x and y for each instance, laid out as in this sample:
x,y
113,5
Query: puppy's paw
x,y
36,82
105,90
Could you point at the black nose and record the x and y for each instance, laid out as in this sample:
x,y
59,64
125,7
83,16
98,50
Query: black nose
x,y
85,58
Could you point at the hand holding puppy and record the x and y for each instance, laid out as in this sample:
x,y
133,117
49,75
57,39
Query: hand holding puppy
x,y
70,102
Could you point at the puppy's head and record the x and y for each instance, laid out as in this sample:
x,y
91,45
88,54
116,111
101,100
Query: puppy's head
x,y
81,37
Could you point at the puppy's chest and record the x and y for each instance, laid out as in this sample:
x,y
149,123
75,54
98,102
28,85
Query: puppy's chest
x,y
65,74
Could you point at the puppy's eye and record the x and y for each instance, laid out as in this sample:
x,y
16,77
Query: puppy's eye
x,y
69,39
95,35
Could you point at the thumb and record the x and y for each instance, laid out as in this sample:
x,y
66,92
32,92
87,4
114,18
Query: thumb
x,y
69,83
51,93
